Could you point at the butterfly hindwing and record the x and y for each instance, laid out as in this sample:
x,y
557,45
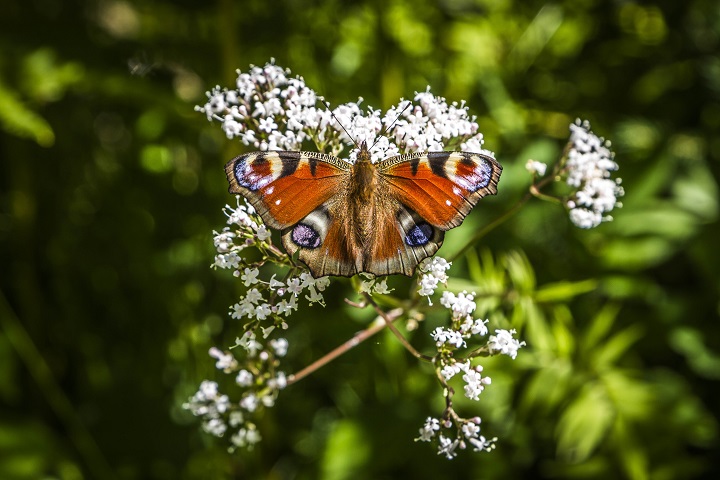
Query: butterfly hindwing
x,y
402,241
284,187
442,187
323,242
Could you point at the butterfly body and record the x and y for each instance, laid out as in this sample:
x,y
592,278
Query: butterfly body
x,y
381,218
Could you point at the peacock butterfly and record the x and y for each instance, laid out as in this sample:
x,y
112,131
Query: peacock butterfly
x,y
382,218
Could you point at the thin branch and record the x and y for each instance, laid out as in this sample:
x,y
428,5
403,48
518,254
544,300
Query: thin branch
x,y
395,331
534,191
358,338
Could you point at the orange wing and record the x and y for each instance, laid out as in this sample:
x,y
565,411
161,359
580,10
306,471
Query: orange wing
x,y
284,187
442,187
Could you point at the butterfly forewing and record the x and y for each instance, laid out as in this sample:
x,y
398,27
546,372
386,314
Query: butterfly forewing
x,y
441,187
284,187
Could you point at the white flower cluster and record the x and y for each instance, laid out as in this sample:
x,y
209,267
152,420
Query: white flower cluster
x,y
253,305
588,168
261,388
211,405
535,167
270,110
371,284
265,306
469,432
245,231
504,343
433,271
449,362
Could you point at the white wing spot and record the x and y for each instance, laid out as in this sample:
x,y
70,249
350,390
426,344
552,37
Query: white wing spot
x,y
448,203
277,202
269,191
457,191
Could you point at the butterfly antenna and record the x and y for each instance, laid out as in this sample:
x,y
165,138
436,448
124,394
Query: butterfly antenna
x,y
327,105
387,129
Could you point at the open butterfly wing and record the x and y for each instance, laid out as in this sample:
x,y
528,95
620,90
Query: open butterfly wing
x,y
441,187
322,239
284,187
402,241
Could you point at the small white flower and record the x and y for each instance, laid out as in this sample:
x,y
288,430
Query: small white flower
x,y
443,336
286,307
428,284
470,429
248,342
322,283
249,402
315,296
447,447
224,241
450,370
381,287
246,437
479,327
279,382
482,444
504,343
253,296
236,418
536,167
366,286
275,284
475,383
267,124
250,276
279,346
427,432
208,390
215,426
244,378
225,361
584,218
228,260
263,311
263,233
294,286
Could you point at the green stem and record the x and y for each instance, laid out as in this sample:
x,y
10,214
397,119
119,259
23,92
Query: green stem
x,y
534,191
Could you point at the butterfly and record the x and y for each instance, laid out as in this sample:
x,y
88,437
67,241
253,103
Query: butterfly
x,y
381,218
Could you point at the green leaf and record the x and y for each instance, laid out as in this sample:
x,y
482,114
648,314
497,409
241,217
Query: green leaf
x,y
584,424
617,346
20,121
600,326
347,450
564,290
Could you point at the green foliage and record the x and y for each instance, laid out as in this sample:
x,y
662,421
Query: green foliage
x,y
110,187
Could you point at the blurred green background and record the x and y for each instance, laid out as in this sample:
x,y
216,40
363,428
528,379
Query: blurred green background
x,y
111,185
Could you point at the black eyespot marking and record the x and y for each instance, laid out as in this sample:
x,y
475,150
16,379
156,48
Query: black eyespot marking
x,y
305,236
419,235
